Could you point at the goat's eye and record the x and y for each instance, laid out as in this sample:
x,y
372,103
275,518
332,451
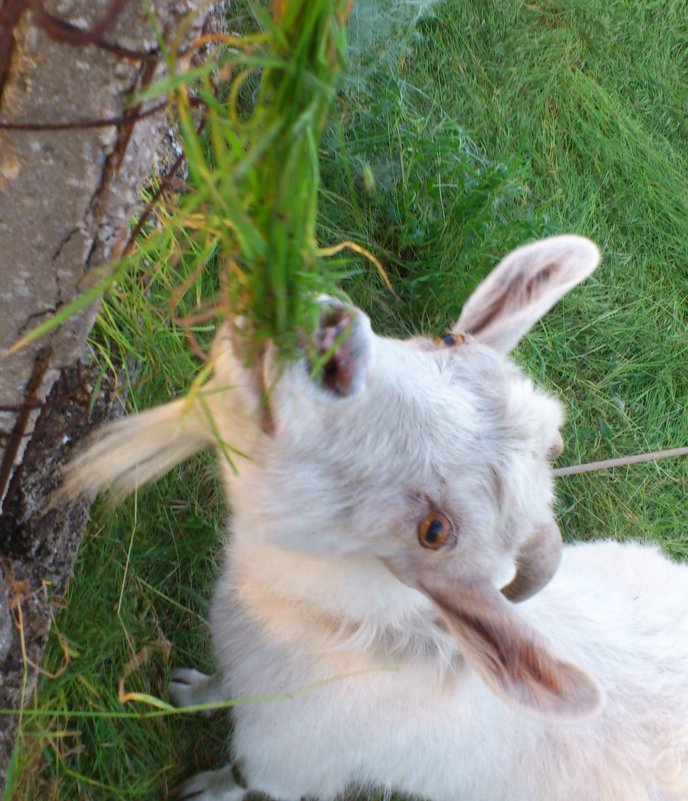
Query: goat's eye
x,y
449,340
434,531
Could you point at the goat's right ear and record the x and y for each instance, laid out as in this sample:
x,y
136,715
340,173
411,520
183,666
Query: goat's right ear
x,y
140,448
510,657
135,450
523,287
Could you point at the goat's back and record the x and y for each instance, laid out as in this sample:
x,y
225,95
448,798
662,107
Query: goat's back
x,y
409,722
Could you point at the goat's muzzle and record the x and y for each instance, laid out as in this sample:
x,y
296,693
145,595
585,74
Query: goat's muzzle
x,y
341,349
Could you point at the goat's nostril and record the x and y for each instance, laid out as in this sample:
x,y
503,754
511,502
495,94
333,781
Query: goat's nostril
x,y
330,374
338,371
338,349
334,316
335,327
333,323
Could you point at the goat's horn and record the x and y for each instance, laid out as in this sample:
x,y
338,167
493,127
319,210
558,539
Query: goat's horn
x,y
536,563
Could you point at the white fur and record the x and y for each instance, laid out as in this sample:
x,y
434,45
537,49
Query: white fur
x,y
323,576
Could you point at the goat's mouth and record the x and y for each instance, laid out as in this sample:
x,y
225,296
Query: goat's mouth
x,y
334,361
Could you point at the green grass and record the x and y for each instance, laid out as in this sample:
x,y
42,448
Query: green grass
x,y
593,97
494,124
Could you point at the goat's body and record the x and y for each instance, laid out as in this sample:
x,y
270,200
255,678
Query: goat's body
x,y
387,526
430,726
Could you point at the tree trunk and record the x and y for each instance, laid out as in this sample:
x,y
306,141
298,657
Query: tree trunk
x,y
74,154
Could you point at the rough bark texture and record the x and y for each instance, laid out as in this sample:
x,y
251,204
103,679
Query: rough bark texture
x,y
66,197
40,539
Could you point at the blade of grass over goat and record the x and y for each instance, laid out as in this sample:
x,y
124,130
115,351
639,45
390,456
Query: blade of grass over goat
x,y
252,216
260,180
253,166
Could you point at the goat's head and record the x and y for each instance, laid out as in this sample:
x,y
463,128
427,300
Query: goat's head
x,y
431,457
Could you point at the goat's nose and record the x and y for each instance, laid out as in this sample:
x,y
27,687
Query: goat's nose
x,y
334,327
342,346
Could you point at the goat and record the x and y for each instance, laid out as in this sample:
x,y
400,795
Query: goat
x,y
394,548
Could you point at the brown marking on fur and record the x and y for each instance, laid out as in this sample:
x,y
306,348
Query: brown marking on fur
x,y
541,277
517,287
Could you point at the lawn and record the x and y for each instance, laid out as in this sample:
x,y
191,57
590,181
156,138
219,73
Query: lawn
x,y
482,126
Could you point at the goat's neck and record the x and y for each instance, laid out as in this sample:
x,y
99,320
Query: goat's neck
x,y
352,598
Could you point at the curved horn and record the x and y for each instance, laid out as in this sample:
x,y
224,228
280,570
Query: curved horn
x,y
536,563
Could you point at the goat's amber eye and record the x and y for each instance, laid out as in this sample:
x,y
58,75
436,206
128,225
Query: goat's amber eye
x,y
434,531
449,340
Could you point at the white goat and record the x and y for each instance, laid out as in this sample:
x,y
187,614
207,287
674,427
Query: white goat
x,y
374,526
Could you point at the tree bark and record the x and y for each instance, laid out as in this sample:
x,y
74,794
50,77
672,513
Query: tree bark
x,y
74,154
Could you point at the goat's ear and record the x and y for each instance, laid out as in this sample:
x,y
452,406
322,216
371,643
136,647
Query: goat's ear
x,y
512,659
523,287
135,450
139,448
